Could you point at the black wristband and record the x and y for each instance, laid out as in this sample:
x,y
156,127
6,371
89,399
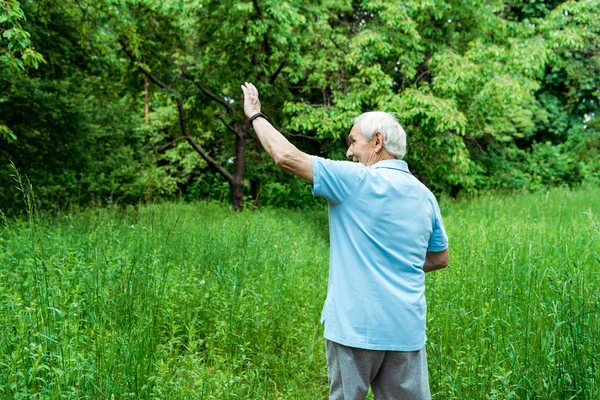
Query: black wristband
x,y
258,114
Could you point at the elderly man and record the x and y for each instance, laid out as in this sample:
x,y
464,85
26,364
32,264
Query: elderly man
x,y
386,232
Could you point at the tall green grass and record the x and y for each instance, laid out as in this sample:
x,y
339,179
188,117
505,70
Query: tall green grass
x,y
180,301
517,314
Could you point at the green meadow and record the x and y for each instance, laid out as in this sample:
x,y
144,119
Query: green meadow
x,y
192,301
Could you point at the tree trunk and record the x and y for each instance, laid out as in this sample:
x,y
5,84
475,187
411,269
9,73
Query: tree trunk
x,y
255,184
146,104
255,191
236,181
237,195
237,184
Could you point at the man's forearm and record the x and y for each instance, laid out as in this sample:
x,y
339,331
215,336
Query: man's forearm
x,y
428,267
436,260
285,154
272,140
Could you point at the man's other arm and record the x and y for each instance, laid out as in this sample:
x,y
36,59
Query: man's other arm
x,y
436,260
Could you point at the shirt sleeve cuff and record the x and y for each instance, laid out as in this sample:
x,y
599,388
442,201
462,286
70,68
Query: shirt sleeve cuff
x,y
316,167
437,249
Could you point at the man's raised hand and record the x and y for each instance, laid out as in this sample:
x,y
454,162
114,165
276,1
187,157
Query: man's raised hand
x,y
251,101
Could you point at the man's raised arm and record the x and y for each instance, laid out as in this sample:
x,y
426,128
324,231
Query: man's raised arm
x,y
284,153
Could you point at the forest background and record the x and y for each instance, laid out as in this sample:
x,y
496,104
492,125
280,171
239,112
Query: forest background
x,y
493,94
108,105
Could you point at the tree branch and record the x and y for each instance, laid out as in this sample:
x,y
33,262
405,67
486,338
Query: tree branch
x,y
425,68
209,160
266,46
477,144
257,8
302,136
231,128
83,10
335,44
286,133
144,71
206,92
276,74
418,78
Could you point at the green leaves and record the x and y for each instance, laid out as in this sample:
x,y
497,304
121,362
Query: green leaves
x,y
463,78
16,51
428,111
6,133
480,87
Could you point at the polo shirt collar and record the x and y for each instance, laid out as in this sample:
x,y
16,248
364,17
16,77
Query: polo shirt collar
x,y
393,164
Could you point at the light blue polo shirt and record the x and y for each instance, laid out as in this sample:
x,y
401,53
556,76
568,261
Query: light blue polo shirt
x,y
382,221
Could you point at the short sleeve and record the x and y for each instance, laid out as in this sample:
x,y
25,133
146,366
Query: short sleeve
x,y
438,240
335,180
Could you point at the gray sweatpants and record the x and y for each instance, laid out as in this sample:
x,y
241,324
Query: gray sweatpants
x,y
392,374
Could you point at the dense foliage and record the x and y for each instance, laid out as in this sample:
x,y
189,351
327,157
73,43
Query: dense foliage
x,y
16,51
493,94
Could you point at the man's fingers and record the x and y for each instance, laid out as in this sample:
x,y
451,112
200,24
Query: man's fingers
x,y
249,90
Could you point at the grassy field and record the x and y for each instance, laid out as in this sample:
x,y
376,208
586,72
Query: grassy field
x,y
180,301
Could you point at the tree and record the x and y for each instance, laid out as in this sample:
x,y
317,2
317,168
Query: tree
x,y
16,51
462,78
77,134
458,76
200,52
492,94
560,147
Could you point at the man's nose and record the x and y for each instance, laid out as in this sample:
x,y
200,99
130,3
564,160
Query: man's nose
x,y
349,153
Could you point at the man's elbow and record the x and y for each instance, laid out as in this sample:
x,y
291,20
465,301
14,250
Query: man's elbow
x,y
445,259
295,162
436,261
438,266
282,159
434,267
287,160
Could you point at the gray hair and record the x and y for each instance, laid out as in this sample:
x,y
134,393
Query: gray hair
x,y
394,137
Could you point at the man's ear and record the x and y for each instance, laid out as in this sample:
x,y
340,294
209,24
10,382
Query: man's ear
x,y
378,141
